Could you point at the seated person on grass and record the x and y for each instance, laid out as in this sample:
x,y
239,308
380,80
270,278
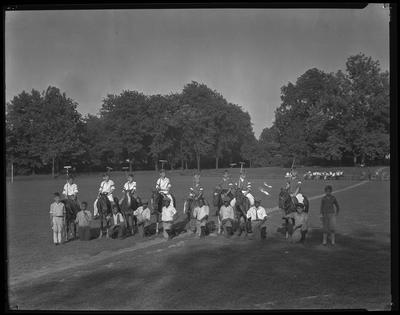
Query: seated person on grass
x,y
83,219
118,227
201,213
257,215
143,214
227,217
298,231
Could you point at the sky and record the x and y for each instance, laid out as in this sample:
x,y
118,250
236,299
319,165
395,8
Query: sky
x,y
247,55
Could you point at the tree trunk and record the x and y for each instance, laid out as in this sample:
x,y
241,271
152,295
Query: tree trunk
x,y
186,164
52,167
216,162
355,159
182,164
12,171
130,166
156,165
198,162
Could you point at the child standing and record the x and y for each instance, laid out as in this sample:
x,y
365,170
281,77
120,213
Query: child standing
x,y
329,212
83,218
57,218
167,218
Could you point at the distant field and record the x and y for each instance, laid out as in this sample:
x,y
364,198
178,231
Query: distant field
x,y
364,240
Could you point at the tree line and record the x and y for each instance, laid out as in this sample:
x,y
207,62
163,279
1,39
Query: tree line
x,y
323,118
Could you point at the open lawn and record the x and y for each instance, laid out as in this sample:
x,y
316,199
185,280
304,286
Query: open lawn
x,y
212,273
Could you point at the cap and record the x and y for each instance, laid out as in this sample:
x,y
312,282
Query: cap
x,y
226,199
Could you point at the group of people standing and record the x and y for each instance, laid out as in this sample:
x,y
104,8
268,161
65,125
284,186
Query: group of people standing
x,y
256,215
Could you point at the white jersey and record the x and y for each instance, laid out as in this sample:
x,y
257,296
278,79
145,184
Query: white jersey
x,y
163,184
70,189
256,213
107,187
130,186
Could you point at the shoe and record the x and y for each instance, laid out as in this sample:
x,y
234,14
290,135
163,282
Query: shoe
x,y
56,244
324,244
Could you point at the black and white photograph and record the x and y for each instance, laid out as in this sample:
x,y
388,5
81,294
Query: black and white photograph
x,y
199,158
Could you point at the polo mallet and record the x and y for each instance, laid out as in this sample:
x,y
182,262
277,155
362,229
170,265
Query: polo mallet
x,y
67,167
241,166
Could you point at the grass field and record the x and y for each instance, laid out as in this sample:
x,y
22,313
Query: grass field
x,y
214,273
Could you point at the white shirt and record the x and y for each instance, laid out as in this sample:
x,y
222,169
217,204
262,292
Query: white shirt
x,y
256,213
107,187
115,218
300,198
144,213
226,213
70,189
200,212
130,186
163,184
168,213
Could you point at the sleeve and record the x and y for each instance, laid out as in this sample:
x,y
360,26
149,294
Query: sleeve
x,y
248,215
76,189
121,218
146,214
90,215
134,186
101,187
125,187
64,210
207,210
322,205
51,209
335,202
264,213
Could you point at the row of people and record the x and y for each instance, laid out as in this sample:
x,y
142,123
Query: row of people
x,y
325,175
256,215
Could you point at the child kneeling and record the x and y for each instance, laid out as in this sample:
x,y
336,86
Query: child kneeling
x,y
298,231
143,214
118,227
201,214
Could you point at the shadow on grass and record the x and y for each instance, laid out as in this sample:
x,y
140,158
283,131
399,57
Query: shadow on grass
x,y
233,275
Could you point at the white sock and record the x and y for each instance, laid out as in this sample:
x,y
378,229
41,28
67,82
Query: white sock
x,y
55,239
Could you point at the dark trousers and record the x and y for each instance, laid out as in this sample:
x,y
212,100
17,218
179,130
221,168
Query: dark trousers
x,y
84,233
117,231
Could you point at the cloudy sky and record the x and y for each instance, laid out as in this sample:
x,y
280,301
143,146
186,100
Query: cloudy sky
x,y
245,54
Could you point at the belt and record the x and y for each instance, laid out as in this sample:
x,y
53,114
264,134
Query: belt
x,y
58,216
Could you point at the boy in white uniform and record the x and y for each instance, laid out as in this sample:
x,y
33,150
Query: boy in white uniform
x,y
167,218
163,185
57,218
106,187
201,214
129,187
70,190
258,217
